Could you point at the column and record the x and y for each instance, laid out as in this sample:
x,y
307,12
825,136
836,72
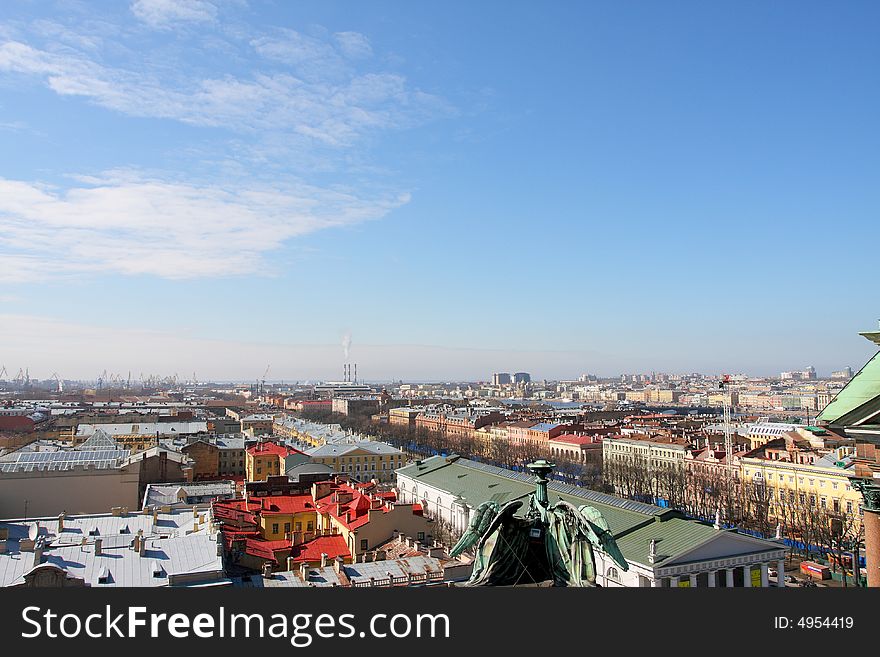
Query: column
x,y
780,573
712,574
729,572
673,581
765,577
657,582
693,577
747,575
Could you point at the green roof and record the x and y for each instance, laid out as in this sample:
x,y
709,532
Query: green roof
x,y
634,524
858,400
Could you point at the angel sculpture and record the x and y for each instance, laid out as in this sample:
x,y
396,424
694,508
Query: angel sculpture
x,y
552,542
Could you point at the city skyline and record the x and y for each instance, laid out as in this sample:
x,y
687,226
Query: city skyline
x,y
568,189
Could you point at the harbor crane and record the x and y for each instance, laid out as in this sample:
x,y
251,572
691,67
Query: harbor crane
x,y
263,379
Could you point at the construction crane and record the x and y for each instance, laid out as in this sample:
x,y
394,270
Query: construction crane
x,y
58,381
724,384
3,373
263,380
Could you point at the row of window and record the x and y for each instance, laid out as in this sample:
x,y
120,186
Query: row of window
x,y
812,482
310,526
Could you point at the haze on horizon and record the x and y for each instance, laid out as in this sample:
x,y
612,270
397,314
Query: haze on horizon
x,y
209,186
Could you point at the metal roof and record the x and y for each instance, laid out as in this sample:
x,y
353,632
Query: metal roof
x,y
634,524
858,394
63,460
173,542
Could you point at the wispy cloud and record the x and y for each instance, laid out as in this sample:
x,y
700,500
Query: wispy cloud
x,y
353,45
285,105
321,97
165,14
128,224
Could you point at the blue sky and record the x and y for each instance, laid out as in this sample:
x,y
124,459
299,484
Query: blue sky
x,y
214,185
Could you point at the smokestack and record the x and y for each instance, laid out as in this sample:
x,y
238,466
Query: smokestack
x,y
355,372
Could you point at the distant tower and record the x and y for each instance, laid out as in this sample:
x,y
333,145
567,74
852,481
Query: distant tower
x,y
522,377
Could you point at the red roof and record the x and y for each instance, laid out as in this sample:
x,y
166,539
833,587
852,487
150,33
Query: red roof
x,y
353,513
572,439
266,549
286,504
16,423
332,546
269,447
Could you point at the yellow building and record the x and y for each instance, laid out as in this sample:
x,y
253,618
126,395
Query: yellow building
x,y
362,460
266,460
824,483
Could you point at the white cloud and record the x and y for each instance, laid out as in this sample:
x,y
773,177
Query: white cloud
x,y
333,112
132,225
289,105
353,44
169,13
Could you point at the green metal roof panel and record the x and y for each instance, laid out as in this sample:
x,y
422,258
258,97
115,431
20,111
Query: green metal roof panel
x,y
633,524
863,388
674,537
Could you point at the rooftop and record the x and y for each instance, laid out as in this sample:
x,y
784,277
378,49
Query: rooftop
x,y
177,547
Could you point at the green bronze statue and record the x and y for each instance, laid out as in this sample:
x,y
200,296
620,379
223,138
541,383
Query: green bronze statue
x,y
552,542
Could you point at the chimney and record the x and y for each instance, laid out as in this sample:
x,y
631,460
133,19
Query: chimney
x,y
195,511
98,542
142,546
304,571
61,522
267,569
324,560
380,555
337,564
38,553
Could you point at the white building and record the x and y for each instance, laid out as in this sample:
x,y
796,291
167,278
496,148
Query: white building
x,y
662,547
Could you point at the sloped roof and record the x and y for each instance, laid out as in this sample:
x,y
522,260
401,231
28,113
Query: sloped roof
x,y
634,524
98,440
859,400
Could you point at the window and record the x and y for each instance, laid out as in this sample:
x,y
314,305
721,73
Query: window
x,y
364,544
286,527
274,527
299,526
612,574
849,506
421,536
310,526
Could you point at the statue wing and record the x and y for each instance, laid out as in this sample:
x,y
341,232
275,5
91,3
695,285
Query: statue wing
x,y
600,535
480,521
